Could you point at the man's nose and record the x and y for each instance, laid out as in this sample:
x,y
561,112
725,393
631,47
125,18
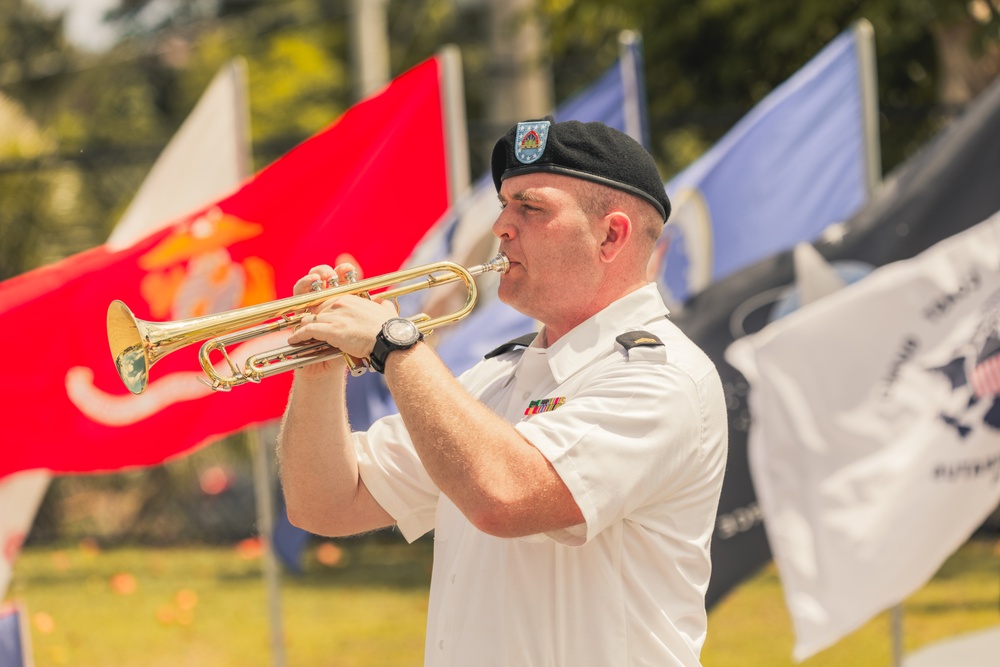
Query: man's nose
x,y
502,227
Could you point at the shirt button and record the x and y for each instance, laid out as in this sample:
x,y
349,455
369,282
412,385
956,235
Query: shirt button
x,y
441,645
525,395
453,578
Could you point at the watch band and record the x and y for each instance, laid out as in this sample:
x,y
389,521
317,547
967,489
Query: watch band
x,y
384,344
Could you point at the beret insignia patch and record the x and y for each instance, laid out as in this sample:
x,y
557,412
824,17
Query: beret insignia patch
x,y
529,142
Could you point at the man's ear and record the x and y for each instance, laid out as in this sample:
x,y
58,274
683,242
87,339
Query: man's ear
x,y
618,231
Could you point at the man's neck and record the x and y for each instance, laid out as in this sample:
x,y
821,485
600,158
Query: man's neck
x,y
553,331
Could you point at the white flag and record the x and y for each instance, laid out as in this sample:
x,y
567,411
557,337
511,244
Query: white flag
x,y
208,157
20,496
875,441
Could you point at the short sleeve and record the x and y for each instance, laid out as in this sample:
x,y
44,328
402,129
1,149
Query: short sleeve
x,y
622,442
394,475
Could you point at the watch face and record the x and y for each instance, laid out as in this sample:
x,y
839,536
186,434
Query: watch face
x,y
401,331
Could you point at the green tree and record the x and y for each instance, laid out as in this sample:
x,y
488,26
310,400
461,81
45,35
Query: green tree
x,y
708,63
31,47
109,115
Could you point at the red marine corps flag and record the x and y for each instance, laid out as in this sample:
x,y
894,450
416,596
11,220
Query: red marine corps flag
x,y
369,186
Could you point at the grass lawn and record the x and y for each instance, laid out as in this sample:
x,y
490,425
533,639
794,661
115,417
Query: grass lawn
x,y
751,627
366,607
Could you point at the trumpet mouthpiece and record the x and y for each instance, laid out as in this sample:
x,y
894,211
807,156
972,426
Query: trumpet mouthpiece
x,y
500,264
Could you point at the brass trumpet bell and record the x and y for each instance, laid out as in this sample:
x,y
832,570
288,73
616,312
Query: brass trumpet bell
x,y
135,345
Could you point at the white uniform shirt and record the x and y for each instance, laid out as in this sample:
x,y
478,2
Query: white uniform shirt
x,y
639,438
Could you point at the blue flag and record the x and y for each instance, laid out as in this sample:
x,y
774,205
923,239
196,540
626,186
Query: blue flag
x,y
797,163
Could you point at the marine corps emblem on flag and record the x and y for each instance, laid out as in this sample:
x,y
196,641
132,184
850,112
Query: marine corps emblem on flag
x,y
530,140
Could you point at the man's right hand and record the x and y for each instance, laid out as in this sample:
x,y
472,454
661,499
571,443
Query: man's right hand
x,y
321,277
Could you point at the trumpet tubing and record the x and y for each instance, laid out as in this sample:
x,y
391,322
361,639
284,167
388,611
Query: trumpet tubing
x,y
138,344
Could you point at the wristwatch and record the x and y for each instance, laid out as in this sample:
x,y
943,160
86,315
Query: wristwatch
x,y
398,333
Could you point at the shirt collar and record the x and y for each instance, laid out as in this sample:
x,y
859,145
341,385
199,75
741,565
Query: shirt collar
x,y
591,339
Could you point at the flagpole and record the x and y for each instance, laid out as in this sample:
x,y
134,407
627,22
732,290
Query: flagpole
x,y
896,622
868,77
260,452
632,103
453,106
259,447
369,36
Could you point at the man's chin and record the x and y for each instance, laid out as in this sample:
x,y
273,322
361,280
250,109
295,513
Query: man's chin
x,y
508,294
504,293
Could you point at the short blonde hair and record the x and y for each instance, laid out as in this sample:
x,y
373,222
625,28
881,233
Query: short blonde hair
x,y
598,200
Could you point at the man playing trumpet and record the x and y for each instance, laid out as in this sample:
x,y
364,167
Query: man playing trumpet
x,y
571,481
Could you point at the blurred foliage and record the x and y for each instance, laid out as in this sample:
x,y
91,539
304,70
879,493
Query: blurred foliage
x,y
79,130
108,115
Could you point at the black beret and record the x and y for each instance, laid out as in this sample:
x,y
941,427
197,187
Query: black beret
x,y
591,151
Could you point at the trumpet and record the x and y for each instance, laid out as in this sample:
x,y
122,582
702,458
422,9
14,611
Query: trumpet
x,y
138,344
